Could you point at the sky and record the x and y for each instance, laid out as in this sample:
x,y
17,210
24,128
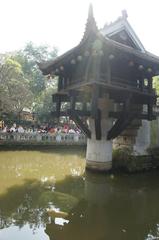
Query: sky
x,y
61,23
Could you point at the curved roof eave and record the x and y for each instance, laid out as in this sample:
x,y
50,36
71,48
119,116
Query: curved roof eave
x,y
45,66
48,66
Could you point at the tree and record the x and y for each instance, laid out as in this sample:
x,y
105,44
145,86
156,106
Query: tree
x,y
14,88
41,89
39,53
156,84
22,83
28,58
44,104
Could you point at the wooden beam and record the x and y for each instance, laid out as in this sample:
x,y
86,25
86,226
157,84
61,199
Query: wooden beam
x,y
72,103
126,105
108,67
150,111
123,121
58,106
98,131
72,95
94,102
151,102
95,112
62,114
69,112
119,126
84,106
60,83
142,116
80,124
63,97
149,77
141,80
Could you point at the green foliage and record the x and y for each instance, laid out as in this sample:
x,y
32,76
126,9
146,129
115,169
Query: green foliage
x,y
154,124
156,84
39,53
125,160
28,58
122,158
122,154
154,132
44,105
13,87
22,83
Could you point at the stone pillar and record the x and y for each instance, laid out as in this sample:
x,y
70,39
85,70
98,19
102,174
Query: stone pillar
x,y
99,152
143,139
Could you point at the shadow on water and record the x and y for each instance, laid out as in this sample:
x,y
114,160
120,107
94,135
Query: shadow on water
x,y
28,203
93,206
113,207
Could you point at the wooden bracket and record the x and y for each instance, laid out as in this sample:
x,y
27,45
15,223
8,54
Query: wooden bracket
x,y
123,121
80,124
119,126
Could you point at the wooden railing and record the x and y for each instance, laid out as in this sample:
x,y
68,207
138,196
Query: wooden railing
x,y
43,138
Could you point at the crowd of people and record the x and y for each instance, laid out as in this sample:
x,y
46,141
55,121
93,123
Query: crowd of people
x,y
66,128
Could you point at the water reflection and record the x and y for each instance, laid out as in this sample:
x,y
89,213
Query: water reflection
x,y
66,205
112,207
31,203
26,198
24,233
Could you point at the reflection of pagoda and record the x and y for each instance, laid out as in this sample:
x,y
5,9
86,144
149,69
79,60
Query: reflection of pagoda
x,y
109,75
121,209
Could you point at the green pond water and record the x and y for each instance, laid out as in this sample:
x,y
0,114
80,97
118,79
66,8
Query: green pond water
x,y
48,195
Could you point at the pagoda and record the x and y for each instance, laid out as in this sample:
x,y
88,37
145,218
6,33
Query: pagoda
x,y
106,81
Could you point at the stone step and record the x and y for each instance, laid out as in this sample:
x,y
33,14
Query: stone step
x,y
132,129
129,132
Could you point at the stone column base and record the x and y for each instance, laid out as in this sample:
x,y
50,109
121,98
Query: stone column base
x,y
99,152
98,166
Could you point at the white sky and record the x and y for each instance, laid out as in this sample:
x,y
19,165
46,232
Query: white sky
x,y
61,23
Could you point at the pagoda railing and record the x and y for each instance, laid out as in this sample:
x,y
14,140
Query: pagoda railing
x,y
121,82
105,79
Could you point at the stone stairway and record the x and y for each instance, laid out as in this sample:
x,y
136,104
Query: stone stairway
x,y
128,137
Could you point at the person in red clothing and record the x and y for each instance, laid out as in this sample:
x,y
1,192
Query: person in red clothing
x,y
52,130
66,128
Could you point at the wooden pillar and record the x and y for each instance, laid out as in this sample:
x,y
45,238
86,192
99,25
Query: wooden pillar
x,y
84,106
141,80
94,102
95,111
60,83
108,64
150,104
72,101
58,106
149,78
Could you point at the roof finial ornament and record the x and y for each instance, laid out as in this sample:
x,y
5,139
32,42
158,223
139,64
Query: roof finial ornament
x,y
124,14
90,12
91,24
